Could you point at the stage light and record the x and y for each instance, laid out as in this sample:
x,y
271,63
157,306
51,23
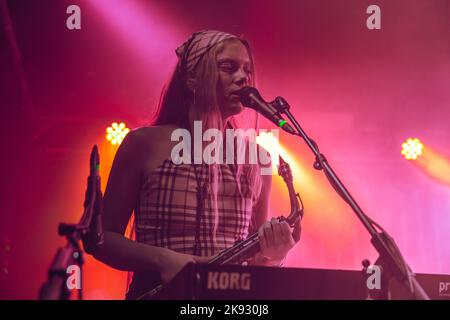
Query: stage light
x,y
116,133
435,164
412,148
272,144
142,27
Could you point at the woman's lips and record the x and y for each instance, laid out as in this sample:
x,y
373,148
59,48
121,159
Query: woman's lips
x,y
234,97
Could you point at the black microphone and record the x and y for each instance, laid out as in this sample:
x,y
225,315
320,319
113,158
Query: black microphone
x,y
251,98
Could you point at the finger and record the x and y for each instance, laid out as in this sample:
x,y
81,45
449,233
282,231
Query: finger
x,y
262,238
277,232
285,231
290,241
296,233
202,259
268,234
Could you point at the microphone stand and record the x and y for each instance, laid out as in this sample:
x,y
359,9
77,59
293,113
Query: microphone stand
x,y
89,230
390,258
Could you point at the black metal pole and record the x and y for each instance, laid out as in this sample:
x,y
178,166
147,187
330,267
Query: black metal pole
x,y
89,230
390,255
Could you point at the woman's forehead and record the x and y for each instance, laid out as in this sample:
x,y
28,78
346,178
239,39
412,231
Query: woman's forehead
x,y
234,50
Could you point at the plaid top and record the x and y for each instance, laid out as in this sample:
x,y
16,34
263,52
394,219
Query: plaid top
x,y
171,214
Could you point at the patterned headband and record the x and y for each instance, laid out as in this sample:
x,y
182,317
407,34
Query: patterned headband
x,y
191,51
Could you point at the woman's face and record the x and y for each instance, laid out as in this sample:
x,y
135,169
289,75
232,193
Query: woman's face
x,y
234,66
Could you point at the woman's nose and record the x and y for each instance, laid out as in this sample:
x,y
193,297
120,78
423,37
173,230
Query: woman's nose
x,y
242,77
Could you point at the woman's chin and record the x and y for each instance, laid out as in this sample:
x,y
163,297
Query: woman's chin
x,y
236,107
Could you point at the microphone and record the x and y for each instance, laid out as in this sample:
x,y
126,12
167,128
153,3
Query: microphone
x,y
251,98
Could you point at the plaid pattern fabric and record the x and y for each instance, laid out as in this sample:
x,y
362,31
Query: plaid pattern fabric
x,y
193,49
166,215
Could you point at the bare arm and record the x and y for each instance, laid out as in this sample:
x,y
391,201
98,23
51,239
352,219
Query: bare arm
x,y
120,199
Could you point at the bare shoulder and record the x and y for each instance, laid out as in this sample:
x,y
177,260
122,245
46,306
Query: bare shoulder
x,y
151,135
150,145
149,139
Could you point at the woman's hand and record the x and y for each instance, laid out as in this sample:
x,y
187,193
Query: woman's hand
x,y
173,262
275,240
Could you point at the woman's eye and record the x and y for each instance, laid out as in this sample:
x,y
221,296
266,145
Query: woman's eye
x,y
227,66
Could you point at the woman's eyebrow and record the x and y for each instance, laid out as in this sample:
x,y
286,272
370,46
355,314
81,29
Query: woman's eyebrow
x,y
227,60
246,63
